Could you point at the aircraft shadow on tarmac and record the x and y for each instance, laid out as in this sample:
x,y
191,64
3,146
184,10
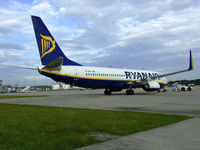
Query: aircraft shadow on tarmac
x,y
113,94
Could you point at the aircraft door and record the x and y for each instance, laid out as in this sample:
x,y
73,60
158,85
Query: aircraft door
x,y
76,75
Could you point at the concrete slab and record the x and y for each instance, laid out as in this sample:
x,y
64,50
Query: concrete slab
x,y
181,136
171,102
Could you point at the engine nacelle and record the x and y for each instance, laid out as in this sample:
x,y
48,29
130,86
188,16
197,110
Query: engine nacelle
x,y
151,86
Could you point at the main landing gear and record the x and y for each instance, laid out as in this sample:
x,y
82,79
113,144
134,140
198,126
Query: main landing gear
x,y
129,92
107,92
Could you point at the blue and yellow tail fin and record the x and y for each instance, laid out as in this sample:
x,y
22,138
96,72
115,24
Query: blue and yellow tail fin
x,y
48,48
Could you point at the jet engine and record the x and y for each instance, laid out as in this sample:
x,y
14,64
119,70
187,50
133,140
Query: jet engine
x,y
151,86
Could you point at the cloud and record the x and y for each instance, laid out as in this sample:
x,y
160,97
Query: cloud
x,y
10,46
132,34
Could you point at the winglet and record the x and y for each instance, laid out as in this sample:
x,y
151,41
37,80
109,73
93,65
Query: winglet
x,y
191,65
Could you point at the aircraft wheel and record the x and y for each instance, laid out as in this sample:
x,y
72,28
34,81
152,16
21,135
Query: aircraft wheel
x,y
129,92
189,89
107,92
158,90
164,90
182,89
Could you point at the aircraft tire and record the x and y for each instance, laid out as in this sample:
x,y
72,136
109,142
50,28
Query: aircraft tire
x,y
107,92
182,89
189,89
129,92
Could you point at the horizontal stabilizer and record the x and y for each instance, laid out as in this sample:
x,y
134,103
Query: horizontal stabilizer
x,y
55,64
27,68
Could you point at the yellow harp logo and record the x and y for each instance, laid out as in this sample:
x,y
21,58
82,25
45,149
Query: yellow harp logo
x,y
48,45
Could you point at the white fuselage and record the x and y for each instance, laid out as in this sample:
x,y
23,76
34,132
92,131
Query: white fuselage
x,y
112,74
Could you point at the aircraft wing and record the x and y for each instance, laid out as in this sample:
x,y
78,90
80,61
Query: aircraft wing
x,y
144,81
191,67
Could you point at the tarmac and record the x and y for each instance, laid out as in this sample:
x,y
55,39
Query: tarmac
x,y
183,135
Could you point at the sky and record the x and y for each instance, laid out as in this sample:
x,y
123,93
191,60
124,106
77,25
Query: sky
x,y
147,34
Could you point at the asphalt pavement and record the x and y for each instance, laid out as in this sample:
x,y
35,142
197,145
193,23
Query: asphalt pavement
x,y
184,135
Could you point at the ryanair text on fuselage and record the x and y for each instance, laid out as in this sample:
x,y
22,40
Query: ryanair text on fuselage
x,y
139,75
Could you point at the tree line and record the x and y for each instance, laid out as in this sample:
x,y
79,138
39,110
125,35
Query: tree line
x,y
186,82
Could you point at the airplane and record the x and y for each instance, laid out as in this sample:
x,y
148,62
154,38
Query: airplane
x,y
58,67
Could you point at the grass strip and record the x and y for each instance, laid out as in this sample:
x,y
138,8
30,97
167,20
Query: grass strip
x,y
24,127
19,96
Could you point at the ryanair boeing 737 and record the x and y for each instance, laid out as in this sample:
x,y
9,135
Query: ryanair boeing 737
x,y
58,67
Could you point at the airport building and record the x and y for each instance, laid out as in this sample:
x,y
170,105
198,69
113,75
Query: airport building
x,y
60,86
